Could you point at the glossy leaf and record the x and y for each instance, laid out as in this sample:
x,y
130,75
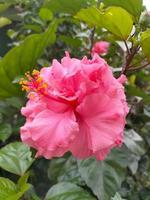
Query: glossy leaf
x,y
104,177
65,6
145,41
92,16
132,6
23,58
15,158
64,169
67,191
115,19
118,21
134,142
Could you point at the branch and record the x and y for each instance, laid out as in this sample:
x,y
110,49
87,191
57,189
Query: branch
x,y
92,38
129,59
128,50
138,68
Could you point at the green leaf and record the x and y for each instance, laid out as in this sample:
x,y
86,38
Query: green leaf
x,y
64,169
117,197
4,21
23,58
45,14
134,142
7,189
132,6
73,42
67,191
3,7
118,21
22,184
104,177
23,180
65,6
92,16
115,19
145,41
15,158
135,91
10,191
5,131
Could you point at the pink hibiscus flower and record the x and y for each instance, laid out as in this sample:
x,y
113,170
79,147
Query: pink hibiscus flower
x,y
100,48
76,105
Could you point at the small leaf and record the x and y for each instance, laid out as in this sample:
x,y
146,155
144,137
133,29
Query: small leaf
x,y
117,197
23,180
45,14
145,41
22,185
104,177
4,21
15,158
118,21
67,191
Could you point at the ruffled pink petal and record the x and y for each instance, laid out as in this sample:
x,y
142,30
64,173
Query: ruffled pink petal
x,y
102,126
50,133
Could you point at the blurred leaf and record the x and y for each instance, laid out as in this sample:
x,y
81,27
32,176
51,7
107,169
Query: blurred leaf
x,y
135,91
64,169
3,7
23,180
45,14
7,189
134,142
23,58
15,158
104,177
22,184
145,41
65,6
4,21
67,191
11,33
92,16
132,6
117,197
5,131
10,191
72,42
118,21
